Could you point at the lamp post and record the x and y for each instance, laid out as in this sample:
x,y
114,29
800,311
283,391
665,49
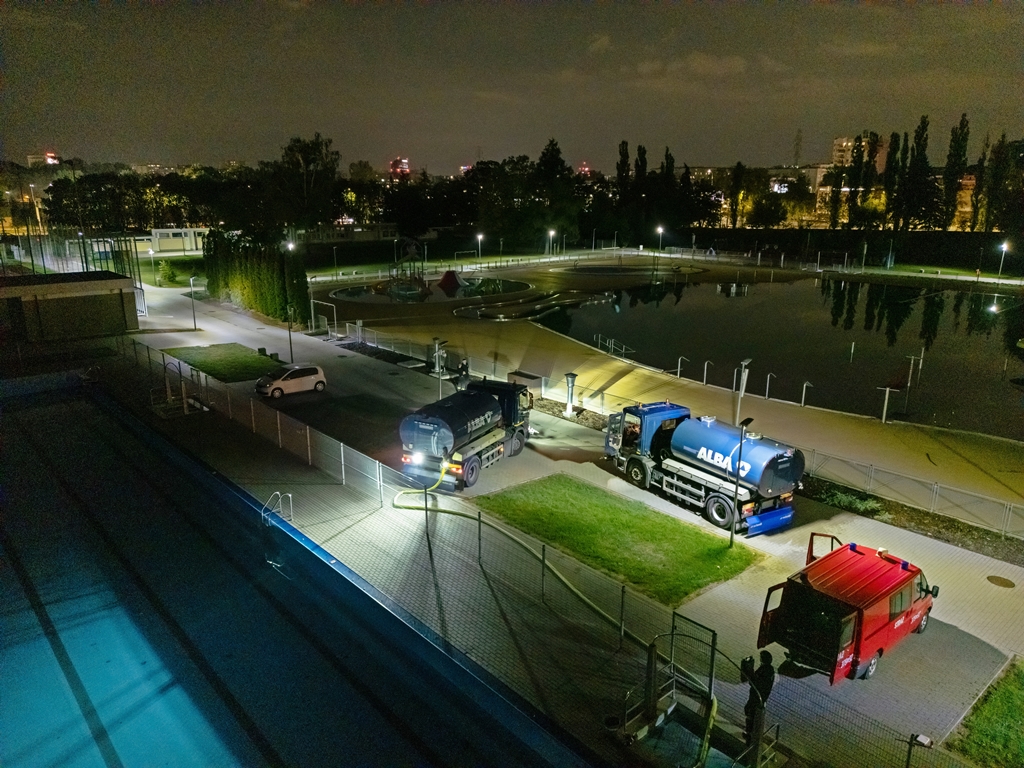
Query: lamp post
x,y
563,243
1003,246
706,364
767,383
335,249
570,385
551,240
916,740
291,352
736,490
593,241
152,264
438,343
885,405
679,365
192,293
479,245
743,388
803,394
394,248
661,231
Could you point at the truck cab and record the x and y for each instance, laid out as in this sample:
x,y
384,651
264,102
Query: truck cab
x,y
846,609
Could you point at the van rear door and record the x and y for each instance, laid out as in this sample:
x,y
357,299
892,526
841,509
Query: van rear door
x,y
844,659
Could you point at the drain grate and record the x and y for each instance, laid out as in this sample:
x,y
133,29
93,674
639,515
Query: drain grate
x,y
999,581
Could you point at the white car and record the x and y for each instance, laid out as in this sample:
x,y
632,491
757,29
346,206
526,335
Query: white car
x,y
297,377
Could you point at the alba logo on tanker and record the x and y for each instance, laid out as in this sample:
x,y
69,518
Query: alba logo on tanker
x,y
721,460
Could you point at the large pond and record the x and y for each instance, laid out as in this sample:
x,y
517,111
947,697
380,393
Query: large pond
x,y
809,330
413,289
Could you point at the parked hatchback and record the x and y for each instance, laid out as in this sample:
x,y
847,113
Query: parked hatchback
x,y
297,377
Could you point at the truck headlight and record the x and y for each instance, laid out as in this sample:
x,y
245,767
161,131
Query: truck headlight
x,y
417,458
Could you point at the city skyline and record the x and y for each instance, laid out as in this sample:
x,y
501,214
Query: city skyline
x,y
446,85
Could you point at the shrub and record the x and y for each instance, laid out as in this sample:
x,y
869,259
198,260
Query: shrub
x,y
167,273
850,502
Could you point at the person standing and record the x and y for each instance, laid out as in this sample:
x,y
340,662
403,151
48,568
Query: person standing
x,y
761,680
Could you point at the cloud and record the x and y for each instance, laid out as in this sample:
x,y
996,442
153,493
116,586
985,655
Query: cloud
x,y
600,44
23,18
706,65
862,49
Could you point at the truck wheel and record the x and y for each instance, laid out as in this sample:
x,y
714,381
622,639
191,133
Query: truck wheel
x,y
637,473
869,670
470,471
718,511
924,623
516,443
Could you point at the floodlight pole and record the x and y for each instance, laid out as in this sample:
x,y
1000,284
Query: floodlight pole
x,y
736,491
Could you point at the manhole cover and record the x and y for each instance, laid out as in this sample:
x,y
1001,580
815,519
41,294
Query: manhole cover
x,y
999,581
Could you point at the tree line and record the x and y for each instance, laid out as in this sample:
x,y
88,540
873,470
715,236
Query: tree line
x,y
520,200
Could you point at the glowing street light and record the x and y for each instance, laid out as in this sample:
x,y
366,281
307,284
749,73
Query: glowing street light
x,y
479,243
551,240
1004,247
661,231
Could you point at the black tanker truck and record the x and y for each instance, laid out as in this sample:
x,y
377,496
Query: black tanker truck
x,y
465,432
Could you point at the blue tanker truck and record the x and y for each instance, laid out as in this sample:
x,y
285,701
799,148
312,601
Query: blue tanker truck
x,y
694,461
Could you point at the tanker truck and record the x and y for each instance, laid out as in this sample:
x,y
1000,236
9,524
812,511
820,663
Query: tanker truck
x,y
466,432
694,461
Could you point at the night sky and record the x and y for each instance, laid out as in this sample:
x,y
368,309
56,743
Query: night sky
x,y
447,83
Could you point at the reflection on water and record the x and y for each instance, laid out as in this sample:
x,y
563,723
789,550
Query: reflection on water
x,y
413,289
958,349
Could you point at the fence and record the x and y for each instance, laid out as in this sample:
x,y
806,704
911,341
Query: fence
x,y
661,653
1004,517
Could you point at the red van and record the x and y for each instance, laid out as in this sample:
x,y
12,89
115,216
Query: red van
x,y
846,608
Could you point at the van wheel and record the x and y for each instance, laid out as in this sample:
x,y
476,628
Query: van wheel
x,y
517,443
319,386
869,670
637,473
471,471
924,623
276,393
718,511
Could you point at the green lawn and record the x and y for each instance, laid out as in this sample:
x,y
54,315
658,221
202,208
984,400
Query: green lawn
x,y
184,266
226,362
659,555
993,733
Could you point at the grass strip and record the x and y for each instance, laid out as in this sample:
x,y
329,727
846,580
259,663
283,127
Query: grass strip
x,y
659,555
993,733
226,362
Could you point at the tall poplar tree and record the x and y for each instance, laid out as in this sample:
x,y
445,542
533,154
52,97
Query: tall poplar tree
x,y
890,179
956,166
978,194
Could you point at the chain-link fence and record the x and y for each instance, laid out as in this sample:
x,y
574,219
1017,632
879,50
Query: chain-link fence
x,y
374,513
1004,517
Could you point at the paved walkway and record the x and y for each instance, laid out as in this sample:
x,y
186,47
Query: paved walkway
x,y
972,612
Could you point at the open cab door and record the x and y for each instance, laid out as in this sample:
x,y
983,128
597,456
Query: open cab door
x,y
770,631
820,545
613,437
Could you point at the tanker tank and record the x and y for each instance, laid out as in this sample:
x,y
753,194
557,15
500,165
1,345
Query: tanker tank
x,y
768,466
440,428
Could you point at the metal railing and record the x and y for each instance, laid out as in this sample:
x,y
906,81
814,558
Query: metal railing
x,y
999,515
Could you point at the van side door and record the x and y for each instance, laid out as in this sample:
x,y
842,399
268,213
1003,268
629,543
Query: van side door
x,y
900,604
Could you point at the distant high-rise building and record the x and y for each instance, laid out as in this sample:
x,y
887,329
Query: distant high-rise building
x,y
400,168
49,158
842,151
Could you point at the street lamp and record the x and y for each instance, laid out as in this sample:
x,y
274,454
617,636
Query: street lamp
x,y
479,243
661,230
743,388
1003,246
551,240
438,343
767,383
291,352
679,364
152,264
736,490
192,293
706,364
803,395
335,248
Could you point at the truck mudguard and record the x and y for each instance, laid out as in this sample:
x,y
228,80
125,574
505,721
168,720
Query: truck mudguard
x,y
768,466
440,428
